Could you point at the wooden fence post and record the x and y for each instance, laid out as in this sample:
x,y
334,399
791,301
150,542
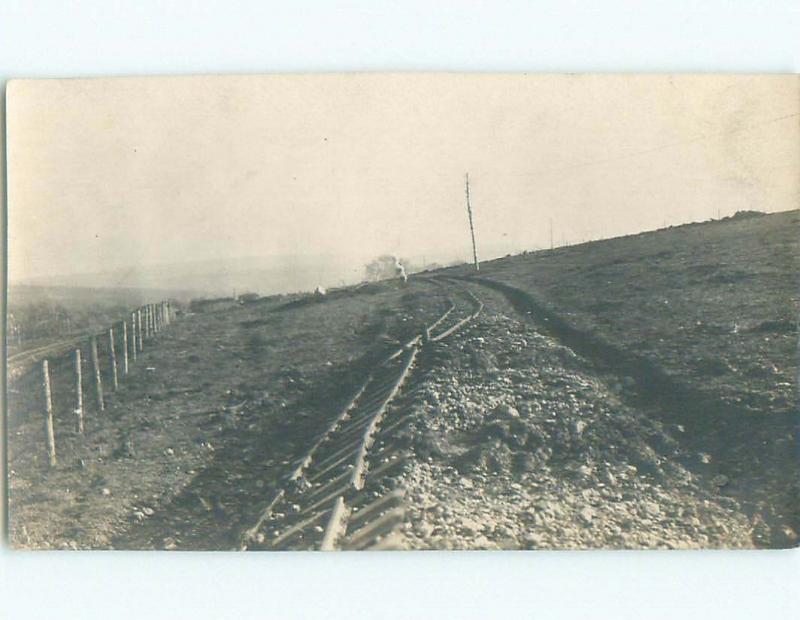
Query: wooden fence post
x,y
49,433
134,347
79,390
124,348
98,381
112,356
139,329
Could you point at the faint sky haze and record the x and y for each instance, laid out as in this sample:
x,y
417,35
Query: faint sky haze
x,y
117,173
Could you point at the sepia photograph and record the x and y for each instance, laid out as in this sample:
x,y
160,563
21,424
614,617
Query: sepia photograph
x,y
403,311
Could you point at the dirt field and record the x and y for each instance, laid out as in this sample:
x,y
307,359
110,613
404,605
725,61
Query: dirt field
x,y
637,392
209,415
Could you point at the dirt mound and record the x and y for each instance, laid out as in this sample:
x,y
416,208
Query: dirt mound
x,y
540,452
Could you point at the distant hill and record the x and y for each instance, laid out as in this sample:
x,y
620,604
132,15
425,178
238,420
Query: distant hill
x,y
81,296
264,275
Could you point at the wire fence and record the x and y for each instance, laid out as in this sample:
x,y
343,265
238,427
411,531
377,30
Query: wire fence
x,y
65,386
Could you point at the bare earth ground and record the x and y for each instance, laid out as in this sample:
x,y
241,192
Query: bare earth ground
x,y
576,411
208,417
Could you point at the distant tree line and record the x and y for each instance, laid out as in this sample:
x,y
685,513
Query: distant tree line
x,y
37,320
41,320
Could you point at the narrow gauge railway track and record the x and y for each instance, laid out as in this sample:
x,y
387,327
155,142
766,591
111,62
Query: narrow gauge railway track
x,y
20,362
453,320
340,494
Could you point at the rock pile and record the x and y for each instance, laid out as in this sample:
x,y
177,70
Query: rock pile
x,y
519,443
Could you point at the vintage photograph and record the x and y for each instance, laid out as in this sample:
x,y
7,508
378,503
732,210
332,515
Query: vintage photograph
x,y
403,311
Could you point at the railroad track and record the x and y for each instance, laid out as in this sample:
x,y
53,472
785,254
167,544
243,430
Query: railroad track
x,y
19,363
341,494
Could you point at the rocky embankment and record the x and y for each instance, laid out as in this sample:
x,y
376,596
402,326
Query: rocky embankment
x,y
519,443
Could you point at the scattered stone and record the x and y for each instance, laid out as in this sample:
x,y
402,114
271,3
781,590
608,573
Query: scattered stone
x,y
785,536
609,478
533,539
586,514
469,525
585,471
577,428
555,454
481,542
506,410
720,480
651,508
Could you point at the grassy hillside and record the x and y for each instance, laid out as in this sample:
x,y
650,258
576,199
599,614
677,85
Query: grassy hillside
x,y
713,304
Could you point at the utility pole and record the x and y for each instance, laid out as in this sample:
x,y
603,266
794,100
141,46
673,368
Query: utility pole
x,y
472,229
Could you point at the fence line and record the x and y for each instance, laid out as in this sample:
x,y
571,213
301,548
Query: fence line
x,y
140,325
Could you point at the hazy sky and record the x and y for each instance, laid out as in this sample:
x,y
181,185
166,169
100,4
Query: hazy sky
x,y
105,174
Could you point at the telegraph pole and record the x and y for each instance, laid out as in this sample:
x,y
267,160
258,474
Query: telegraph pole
x,y
472,229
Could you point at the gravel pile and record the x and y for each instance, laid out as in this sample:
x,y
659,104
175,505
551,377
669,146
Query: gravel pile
x,y
519,443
